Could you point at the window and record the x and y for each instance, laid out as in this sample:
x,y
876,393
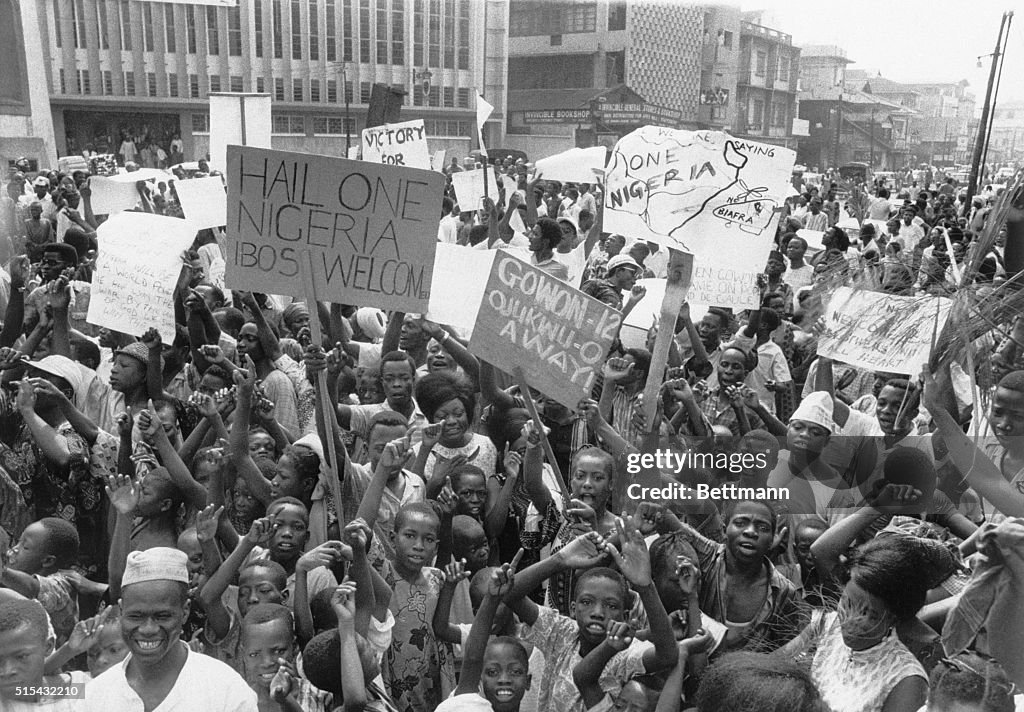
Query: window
x,y
78,22
236,84
257,12
83,81
762,61
101,26
448,40
364,31
615,69
542,17
261,85
278,89
289,124
124,20
462,98
364,92
779,115
314,31
56,26
616,15
558,72
332,91
434,37
449,97
446,128
190,28
463,34
108,82
212,37
328,126
331,35
756,115
63,82
382,31
278,30
314,90
129,83
151,83
296,29
214,82
398,32
169,39
783,69
417,33
172,84
234,31
147,28
434,97
346,29
200,123
726,39
193,86
296,90
349,93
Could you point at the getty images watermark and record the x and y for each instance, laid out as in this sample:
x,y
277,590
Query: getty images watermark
x,y
676,462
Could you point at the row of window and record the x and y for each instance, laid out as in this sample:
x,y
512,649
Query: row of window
x,y
779,72
779,114
295,124
441,28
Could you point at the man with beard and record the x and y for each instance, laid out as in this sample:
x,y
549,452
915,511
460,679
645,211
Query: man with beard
x,y
160,671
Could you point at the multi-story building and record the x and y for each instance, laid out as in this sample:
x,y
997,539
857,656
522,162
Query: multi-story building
x,y
589,71
1006,142
116,67
766,83
720,58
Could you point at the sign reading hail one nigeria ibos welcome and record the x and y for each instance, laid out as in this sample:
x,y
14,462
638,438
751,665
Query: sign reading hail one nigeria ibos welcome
x,y
370,230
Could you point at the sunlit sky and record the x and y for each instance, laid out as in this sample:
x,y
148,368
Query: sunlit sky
x,y
910,40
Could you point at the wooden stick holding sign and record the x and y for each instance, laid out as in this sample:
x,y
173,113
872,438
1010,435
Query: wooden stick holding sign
x,y
332,471
549,453
680,271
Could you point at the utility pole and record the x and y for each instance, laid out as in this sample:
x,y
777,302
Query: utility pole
x,y
871,161
979,143
839,128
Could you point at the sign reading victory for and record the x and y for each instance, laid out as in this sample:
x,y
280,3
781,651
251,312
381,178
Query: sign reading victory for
x,y
882,332
403,144
703,192
555,333
370,231
133,286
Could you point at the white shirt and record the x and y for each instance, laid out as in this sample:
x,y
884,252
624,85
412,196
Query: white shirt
x,y
203,684
448,230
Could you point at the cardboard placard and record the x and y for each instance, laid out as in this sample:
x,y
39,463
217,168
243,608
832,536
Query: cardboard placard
x,y
577,165
237,119
555,333
881,332
203,201
133,286
469,188
112,194
703,192
370,229
402,144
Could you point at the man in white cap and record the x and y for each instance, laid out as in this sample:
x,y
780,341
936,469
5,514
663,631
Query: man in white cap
x,y
621,276
160,670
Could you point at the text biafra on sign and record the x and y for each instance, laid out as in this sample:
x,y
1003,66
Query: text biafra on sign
x,y
370,230
555,333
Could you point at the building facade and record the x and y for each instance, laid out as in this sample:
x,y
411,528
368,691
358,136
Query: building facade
x,y
1006,141
147,68
587,72
767,82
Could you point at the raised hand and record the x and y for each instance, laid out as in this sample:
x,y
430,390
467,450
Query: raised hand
x,y
326,555
688,575
25,400
86,633
887,495
634,561
430,436
619,636
152,339
212,353
125,423
695,645
397,454
206,522
637,293
58,294
343,601
582,515
205,405
285,680
455,571
245,378
513,461
503,577
356,535
9,358
589,411
122,493
583,552
149,423
260,531
617,369
315,360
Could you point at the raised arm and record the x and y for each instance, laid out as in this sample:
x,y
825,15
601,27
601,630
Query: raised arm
x,y
245,381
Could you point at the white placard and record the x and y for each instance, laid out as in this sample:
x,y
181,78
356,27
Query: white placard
x,y
469,187
204,201
403,144
136,270
240,120
577,165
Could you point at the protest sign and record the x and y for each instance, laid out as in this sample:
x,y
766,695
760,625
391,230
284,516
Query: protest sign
x,y
813,238
457,286
437,160
724,287
112,194
403,144
702,192
577,165
237,119
469,187
537,322
203,201
370,230
881,332
137,268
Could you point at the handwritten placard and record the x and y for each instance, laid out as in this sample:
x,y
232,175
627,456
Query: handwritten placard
x,y
203,201
557,334
403,144
133,286
882,332
723,287
370,229
469,188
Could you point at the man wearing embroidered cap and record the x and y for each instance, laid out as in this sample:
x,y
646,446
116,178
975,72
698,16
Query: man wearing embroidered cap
x,y
160,670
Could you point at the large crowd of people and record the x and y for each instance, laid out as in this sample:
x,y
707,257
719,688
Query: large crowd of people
x,y
171,536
